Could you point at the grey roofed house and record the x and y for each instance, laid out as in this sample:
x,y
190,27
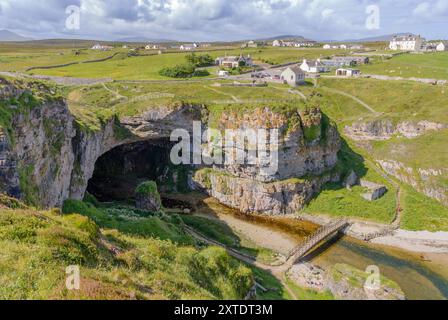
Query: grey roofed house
x,y
293,76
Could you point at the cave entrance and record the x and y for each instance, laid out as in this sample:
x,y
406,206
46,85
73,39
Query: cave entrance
x,y
119,171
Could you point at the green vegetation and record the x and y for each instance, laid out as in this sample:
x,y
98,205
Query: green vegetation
x,y
183,71
148,67
221,233
122,261
148,188
308,294
430,65
423,213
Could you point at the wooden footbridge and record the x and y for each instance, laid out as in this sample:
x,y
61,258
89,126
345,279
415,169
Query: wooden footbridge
x,y
324,233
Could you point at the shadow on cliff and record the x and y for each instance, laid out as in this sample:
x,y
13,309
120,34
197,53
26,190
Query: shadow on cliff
x,y
348,161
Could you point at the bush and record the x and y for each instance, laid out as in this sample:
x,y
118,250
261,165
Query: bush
x,y
183,71
204,60
148,188
179,71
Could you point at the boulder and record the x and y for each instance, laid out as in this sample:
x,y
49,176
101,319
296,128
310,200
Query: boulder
x,y
376,191
351,180
147,197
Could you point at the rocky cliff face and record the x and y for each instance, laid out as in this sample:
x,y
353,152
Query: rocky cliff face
x,y
48,158
307,149
384,129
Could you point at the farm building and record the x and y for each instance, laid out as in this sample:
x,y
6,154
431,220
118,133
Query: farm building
x,y
342,72
352,60
293,76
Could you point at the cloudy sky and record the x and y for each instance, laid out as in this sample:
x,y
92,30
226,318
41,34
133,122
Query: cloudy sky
x,y
214,20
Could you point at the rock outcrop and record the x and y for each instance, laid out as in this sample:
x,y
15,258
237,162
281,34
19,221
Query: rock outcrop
x,y
423,180
51,158
379,130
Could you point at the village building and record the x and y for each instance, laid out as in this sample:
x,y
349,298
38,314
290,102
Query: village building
x,y
342,72
326,46
406,43
293,76
352,60
277,43
343,47
442,46
313,66
251,44
188,47
101,47
234,61
304,44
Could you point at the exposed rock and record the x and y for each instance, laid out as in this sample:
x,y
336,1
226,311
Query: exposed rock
x,y
351,180
384,129
345,282
376,191
247,195
349,283
423,180
309,276
147,197
52,159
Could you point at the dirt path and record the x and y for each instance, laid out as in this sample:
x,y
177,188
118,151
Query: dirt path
x,y
115,93
365,105
236,99
260,235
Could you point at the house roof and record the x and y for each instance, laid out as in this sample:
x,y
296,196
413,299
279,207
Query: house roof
x,y
314,63
295,69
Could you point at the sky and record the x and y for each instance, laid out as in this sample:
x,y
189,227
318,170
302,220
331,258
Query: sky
x,y
223,20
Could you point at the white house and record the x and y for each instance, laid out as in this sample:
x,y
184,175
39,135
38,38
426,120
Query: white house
x,y
277,43
293,76
442,46
343,47
327,46
251,44
188,47
313,66
406,43
234,61
101,47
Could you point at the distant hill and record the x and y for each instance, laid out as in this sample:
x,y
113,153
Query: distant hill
x,y
285,37
387,37
144,39
6,35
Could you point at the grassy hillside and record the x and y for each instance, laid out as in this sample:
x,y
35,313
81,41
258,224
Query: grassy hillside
x,y
394,101
15,57
432,66
122,254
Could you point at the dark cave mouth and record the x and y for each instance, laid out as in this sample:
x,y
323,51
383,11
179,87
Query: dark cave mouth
x,y
118,172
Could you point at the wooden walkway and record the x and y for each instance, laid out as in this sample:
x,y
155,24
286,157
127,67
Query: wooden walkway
x,y
320,235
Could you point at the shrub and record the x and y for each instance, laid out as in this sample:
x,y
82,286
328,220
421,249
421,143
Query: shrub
x,y
148,188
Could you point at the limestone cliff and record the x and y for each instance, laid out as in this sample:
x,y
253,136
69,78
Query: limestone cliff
x,y
48,157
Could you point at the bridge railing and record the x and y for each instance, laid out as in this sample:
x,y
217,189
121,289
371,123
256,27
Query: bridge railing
x,y
317,237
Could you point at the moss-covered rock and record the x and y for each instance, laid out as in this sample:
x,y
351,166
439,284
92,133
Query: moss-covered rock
x,y
147,197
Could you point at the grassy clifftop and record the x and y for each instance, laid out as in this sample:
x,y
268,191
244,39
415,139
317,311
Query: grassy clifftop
x,y
122,254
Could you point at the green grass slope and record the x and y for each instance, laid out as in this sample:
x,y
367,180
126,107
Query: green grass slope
x,y
122,254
